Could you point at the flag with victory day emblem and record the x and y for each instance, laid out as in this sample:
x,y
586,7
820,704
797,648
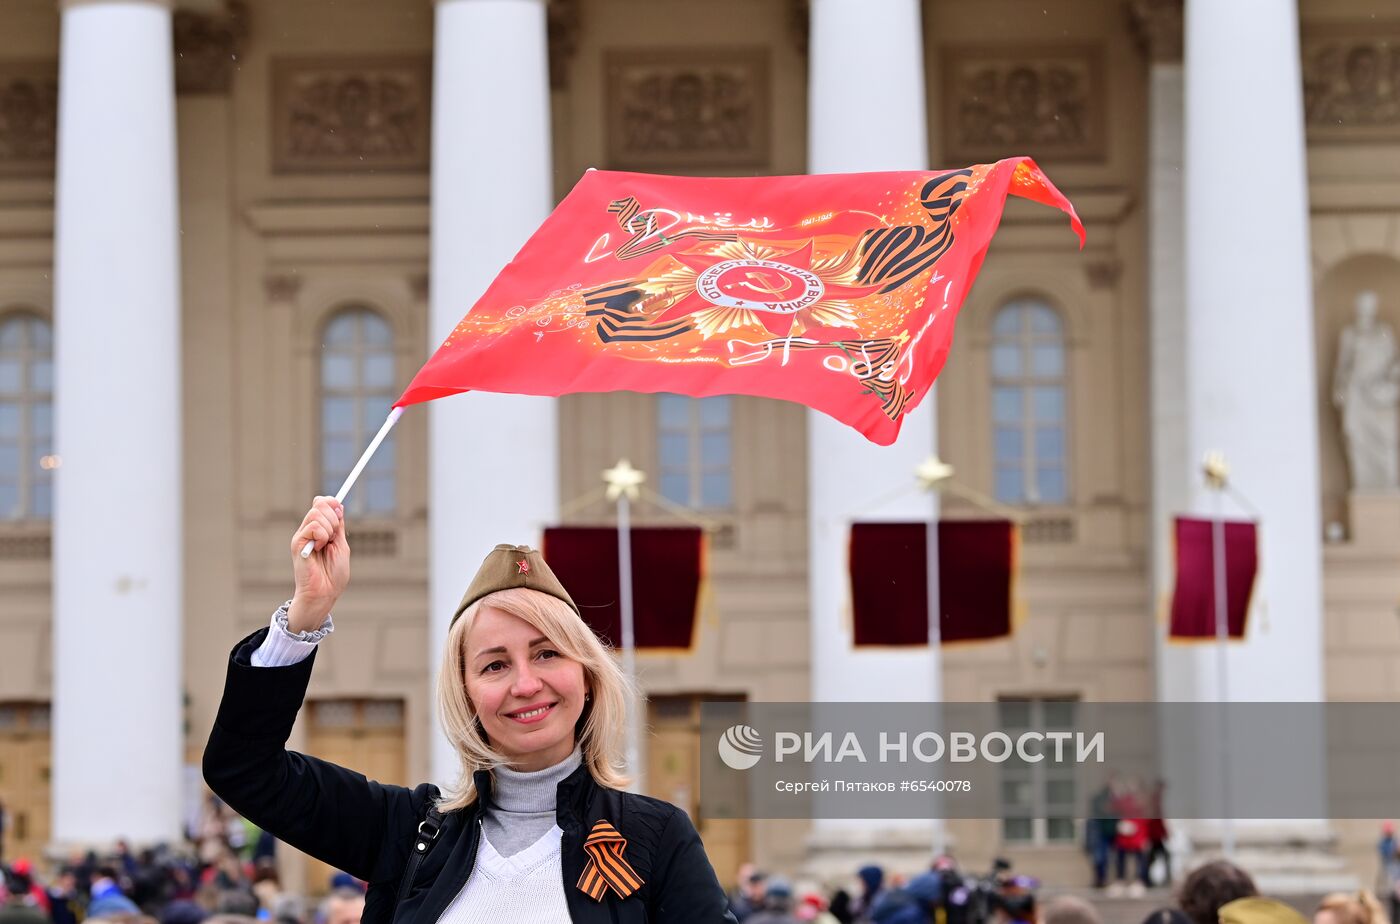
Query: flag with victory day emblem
x,y
836,291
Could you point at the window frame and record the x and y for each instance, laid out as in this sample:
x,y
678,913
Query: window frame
x,y
1041,774
696,469
363,430
31,470
1026,382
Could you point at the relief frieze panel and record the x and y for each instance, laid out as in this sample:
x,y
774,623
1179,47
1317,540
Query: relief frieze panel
x,y
351,115
1351,83
1000,100
28,118
692,108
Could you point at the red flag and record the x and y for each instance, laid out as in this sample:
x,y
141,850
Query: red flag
x,y
889,581
1193,600
667,568
836,291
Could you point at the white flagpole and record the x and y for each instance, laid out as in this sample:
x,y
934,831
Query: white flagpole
x,y
624,484
389,422
932,476
1217,474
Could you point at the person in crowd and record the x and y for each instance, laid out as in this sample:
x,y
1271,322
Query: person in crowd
x,y
1130,841
19,880
183,911
1210,886
872,881
1350,908
749,889
289,909
812,909
840,907
1167,916
1256,910
1388,876
1017,908
538,827
1100,830
18,908
1068,909
65,906
1157,836
914,902
777,903
342,906
746,896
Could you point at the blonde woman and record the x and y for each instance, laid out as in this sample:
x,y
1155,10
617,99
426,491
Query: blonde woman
x,y
536,829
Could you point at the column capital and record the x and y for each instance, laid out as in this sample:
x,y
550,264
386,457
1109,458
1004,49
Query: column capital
x,y
800,24
1158,26
563,24
66,5
208,46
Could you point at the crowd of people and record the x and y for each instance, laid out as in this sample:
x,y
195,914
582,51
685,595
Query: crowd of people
x,y
1217,892
224,873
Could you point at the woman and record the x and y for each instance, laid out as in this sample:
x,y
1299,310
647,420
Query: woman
x,y
537,827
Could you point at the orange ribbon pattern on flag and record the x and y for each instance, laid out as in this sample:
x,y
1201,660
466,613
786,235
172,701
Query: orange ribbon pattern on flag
x,y
606,867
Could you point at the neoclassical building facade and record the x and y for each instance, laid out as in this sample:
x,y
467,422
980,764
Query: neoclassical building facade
x,y
231,230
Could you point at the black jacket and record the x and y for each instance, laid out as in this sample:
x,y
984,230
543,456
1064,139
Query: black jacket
x,y
367,829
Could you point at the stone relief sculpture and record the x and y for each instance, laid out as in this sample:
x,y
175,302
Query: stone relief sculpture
x,y
1366,389
1003,99
1351,84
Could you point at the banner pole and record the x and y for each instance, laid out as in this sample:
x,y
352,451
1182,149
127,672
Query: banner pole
x,y
629,634
624,485
933,476
389,422
1217,478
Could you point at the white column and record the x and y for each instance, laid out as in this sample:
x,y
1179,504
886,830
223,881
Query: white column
x,y
856,45
1249,367
117,549
1172,472
1249,392
493,467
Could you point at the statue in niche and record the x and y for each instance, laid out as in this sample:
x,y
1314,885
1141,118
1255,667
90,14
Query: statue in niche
x,y
1366,389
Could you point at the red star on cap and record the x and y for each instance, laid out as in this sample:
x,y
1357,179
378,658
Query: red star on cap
x,y
523,565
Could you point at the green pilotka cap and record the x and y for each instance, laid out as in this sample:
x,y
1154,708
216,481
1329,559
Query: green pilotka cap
x,y
510,566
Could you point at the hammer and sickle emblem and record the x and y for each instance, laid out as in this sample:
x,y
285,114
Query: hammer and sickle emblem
x,y
763,282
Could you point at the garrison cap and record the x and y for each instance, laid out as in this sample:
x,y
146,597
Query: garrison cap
x,y
510,566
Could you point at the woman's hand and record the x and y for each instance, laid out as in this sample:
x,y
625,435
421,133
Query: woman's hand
x,y
320,578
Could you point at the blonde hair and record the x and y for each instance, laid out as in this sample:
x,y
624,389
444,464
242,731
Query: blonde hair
x,y
1354,908
602,725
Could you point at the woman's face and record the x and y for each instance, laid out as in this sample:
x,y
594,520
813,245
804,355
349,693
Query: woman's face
x,y
527,695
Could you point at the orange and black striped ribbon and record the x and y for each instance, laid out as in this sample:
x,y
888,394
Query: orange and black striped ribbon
x,y
606,868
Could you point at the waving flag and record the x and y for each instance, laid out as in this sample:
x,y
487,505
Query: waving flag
x,y
837,291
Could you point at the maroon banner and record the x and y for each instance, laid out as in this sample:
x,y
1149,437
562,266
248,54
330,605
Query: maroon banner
x,y
1193,600
889,581
667,569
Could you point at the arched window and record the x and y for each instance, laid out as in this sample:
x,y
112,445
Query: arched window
x,y
357,390
695,450
26,417
1029,404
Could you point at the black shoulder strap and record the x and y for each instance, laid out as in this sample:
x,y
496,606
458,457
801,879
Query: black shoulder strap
x,y
428,830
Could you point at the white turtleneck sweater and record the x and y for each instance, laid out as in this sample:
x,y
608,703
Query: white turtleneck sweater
x,y
517,876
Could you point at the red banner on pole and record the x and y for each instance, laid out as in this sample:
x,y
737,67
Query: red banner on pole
x,y
668,566
1193,599
837,291
889,581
